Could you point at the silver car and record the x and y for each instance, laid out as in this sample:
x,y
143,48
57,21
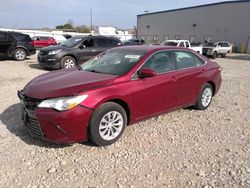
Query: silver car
x,y
214,49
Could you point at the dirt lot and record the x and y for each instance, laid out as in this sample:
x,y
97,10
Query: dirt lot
x,y
186,148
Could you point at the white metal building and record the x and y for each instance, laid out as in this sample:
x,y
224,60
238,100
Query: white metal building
x,y
227,21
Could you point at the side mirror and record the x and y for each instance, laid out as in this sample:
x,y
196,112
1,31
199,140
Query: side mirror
x,y
82,46
146,72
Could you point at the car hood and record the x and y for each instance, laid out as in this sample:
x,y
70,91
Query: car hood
x,y
45,50
65,82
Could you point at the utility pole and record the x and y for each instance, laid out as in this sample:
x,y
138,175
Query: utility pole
x,y
91,19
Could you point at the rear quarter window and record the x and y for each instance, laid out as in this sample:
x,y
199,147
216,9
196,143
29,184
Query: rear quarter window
x,y
3,36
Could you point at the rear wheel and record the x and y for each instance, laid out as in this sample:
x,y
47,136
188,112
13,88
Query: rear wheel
x,y
107,124
19,54
68,62
205,97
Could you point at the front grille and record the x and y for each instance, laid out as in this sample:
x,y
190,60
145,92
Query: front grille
x,y
205,50
34,127
28,106
43,53
27,102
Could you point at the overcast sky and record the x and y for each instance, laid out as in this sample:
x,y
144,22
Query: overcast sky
x,y
49,13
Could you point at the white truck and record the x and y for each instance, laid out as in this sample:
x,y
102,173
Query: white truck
x,y
182,43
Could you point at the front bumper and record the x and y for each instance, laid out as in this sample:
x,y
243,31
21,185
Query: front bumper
x,y
59,127
207,52
49,61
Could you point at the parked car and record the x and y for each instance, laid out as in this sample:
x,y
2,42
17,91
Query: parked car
x,y
16,45
43,41
134,41
75,51
183,43
218,48
99,98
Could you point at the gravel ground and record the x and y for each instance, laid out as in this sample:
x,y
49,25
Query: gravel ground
x,y
185,148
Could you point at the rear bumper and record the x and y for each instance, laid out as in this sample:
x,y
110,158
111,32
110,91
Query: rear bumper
x,y
31,51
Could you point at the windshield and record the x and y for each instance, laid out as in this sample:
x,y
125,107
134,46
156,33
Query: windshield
x,y
116,61
211,44
71,42
170,43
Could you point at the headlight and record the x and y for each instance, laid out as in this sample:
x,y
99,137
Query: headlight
x,y
54,52
64,103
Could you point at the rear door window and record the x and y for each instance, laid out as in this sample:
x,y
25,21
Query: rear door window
x,y
44,38
113,42
101,42
224,44
22,37
185,60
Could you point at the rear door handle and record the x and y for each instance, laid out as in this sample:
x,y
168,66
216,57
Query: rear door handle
x,y
93,50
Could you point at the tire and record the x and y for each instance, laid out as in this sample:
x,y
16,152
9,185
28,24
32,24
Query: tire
x,y
223,55
68,62
19,54
204,98
214,55
102,130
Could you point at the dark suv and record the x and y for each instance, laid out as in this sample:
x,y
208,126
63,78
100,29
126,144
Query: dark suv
x,y
74,51
16,45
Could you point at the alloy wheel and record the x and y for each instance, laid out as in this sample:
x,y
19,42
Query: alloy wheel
x,y
111,125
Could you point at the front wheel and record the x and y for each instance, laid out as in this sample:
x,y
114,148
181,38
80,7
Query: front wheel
x,y
205,97
214,55
19,54
107,124
68,62
223,55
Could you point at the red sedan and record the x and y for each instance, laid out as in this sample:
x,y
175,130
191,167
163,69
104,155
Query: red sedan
x,y
43,41
99,98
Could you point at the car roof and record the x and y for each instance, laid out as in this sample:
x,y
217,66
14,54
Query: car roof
x,y
42,36
148,48
223,41
95,36
16,33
